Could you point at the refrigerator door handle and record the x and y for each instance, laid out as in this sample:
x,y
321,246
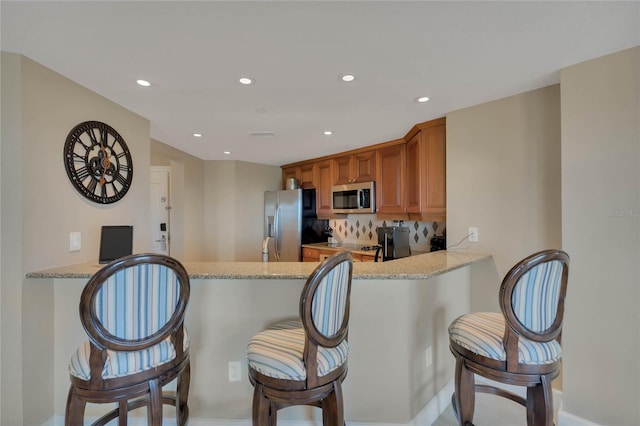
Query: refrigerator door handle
x,y
276,235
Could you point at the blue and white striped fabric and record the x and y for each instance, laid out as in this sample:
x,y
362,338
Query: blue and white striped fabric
x,y
535,296
132,304
136,302
329,301
482,333
278,352
119,364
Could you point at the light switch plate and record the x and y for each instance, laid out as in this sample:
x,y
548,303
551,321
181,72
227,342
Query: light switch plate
x,y
473,234
234,371
75,241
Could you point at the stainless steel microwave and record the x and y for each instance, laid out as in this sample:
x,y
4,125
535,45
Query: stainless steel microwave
x,y
354,198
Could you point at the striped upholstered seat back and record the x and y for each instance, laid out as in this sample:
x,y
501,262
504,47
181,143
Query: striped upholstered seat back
x,y
330,300
137,301
536,296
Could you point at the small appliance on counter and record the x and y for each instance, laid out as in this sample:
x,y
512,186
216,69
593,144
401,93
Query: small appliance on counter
x,y
438,243
393,243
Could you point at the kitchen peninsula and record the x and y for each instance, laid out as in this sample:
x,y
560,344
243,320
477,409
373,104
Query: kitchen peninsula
x,y
399,359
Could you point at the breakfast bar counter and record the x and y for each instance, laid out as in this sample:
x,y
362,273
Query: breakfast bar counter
x,y
422,266
400,367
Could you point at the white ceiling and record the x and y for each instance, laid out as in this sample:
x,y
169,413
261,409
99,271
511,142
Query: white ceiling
x,y
458,53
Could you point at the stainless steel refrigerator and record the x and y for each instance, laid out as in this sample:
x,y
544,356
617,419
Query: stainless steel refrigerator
x,y
289,221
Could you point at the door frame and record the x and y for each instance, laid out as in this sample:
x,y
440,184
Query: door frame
x,y
166,169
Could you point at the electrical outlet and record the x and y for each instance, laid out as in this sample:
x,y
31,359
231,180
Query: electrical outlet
x,y
234,371
473,234
75,241
428,357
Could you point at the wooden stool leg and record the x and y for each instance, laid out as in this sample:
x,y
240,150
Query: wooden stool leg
x,y
182,396
154,413
464,397
123,413
333,407
540,404
74,413
273,414
261,407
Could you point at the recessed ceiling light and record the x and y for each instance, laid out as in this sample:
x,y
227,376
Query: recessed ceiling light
x,y
422,99
348,77
328,132
197,135
245,80
227,152
144,83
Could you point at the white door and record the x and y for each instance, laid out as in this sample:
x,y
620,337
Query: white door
x,y
160,210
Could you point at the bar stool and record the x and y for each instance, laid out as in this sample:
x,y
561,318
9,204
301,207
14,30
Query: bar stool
x,y
521,345
133,312
304,362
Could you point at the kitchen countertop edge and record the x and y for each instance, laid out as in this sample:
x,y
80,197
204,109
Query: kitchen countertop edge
x,y
421,266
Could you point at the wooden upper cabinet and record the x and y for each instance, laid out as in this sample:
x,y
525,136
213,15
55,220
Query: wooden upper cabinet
x,y
426,170
323,188
414,169
410,173
342,170
305,174
364,166
354,168
390,182
308,176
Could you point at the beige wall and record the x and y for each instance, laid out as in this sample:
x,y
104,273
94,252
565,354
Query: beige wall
x,y
503,173
234,214
601,232
11,241
51,106
40,209
187,201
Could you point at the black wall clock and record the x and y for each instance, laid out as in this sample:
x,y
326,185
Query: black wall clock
x,y
98,162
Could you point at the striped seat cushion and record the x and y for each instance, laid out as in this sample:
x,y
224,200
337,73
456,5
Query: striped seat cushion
x,y
119,364
482,333
277,352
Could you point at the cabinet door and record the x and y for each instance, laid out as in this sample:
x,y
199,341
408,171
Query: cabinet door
x,y
308,175
391,163
310,255
364,167
435,146
414,172
323,190
342,169
426,172
355,168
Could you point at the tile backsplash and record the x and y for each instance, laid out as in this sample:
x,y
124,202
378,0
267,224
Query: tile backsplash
x,y
362,229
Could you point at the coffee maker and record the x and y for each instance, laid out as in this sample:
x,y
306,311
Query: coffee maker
x,y
393,243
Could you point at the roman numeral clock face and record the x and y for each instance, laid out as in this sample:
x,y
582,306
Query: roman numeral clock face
x,y
98,162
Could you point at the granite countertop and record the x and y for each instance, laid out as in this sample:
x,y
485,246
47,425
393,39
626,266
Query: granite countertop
x,y
368,250
421,266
